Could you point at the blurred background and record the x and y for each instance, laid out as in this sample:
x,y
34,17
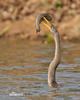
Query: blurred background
x,y
25,55
17,18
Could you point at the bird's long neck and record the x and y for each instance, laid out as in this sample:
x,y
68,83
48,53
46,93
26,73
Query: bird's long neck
x,y
56,60
57,48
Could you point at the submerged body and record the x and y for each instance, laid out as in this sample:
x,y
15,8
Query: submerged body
x,y
56,60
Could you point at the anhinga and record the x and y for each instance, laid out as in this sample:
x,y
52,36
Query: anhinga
x,y
45,19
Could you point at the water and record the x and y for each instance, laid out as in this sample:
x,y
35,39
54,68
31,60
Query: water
x,y
24,68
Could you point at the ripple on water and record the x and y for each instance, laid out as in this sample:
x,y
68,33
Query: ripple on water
x,y
24,68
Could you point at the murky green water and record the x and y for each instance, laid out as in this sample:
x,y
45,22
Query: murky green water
x,y
24,67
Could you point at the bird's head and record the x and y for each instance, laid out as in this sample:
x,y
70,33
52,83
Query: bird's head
x,y
45,19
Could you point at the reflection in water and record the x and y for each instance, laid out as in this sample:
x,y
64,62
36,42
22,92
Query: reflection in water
x,y
24,68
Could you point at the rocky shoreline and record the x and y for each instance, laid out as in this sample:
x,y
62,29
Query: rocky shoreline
x,y
17,18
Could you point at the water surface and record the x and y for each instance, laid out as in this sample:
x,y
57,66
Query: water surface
x,y
24,68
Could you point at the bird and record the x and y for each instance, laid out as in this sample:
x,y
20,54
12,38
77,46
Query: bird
x,y
45,19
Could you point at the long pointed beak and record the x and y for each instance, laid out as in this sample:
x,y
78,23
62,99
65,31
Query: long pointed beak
x,y
47,24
